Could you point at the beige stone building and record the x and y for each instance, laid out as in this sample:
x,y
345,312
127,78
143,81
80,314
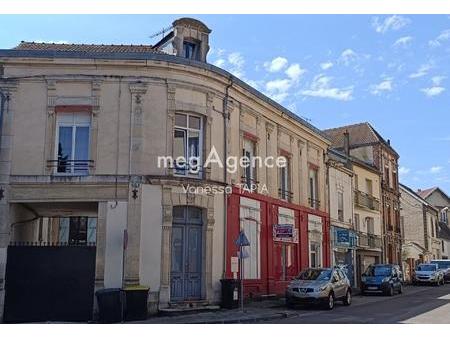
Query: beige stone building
x,y
367,215
419,221
341,192
83,126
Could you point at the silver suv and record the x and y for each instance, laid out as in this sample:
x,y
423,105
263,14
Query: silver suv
x,y
320,286
428,273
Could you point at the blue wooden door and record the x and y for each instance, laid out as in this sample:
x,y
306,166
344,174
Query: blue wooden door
x,y
186,266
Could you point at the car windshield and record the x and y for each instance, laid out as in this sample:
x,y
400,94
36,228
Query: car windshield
x,y
378,271
442,264
426,267
315,274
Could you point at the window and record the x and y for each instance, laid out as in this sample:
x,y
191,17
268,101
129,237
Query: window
x,y
340,198
72,143
285,181
387,176
357,224
394,179
314,254
369,189
190,50
77,230
187,145
370,225
312,189
444,216
356,182
249,152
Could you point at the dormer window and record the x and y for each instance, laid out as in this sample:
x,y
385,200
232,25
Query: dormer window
x,y
190,50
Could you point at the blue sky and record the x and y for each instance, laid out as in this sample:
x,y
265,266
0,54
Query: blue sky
x,y
393,71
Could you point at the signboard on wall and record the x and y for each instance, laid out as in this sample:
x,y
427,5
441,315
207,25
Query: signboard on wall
x,y
343,236
314,223
285,233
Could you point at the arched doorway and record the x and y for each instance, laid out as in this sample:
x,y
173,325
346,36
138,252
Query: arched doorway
x,y
186,254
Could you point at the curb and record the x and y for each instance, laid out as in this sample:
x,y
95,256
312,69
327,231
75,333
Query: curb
x,y
250,319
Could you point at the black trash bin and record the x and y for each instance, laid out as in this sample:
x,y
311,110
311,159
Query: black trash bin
x,y
110,305
136,302
230,293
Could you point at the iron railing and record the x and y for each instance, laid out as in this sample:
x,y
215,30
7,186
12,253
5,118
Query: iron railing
x,y
313,203
285,194
365,200
369,240
71,167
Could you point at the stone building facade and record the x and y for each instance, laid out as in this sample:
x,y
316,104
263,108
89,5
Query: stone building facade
x,y
83,126
369,146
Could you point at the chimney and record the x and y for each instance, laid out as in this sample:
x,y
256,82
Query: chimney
x,y
389,141
191,39
347,143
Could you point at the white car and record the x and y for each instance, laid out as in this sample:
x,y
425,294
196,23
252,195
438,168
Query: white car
x,y
428,273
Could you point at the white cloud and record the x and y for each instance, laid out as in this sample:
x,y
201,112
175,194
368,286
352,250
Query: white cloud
x,y
437,80
276,64
219,63
404,41
326,65
237,61
403,171
321,87
442,37
279,85
422,71
382,87
433,91
295,71
394,22
436,169
348,56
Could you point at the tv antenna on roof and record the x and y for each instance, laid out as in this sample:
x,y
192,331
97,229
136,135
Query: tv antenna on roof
x,y
161,32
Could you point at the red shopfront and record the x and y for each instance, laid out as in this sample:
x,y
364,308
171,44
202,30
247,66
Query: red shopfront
x,y
271,262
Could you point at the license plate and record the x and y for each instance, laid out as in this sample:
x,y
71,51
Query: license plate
x,y
372,288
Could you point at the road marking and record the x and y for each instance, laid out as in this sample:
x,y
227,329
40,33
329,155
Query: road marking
x,y
440,315
445,297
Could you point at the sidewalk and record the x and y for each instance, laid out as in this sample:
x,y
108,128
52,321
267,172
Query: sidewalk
x,y
257,311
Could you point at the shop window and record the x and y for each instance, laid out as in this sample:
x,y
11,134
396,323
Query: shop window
x,y
250,224
72,143
249,170
77,230
314,254
340,198
187,145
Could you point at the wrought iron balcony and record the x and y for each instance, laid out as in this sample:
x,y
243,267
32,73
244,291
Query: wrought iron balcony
x,y
313,203
367,201
71,167
369,240
285,194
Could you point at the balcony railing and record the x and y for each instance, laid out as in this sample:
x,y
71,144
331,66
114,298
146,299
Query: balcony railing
x,y
71,167
365,200
313,203
369,240
285,194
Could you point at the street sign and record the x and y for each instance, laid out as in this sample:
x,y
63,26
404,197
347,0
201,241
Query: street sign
x,y
243,254
242,240
234,264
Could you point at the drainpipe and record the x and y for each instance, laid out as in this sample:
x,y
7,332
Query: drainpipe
x,y
226,120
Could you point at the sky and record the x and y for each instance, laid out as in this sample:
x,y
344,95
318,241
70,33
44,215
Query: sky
x,y
391,70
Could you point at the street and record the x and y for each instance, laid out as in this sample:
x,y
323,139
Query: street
x,y
418,304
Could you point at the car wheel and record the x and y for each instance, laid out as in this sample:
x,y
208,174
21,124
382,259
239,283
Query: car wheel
x,y
330,301
348,298
400,289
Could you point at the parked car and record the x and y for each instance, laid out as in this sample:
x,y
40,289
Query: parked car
x,y
319,286
428,273
444,265
382,278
